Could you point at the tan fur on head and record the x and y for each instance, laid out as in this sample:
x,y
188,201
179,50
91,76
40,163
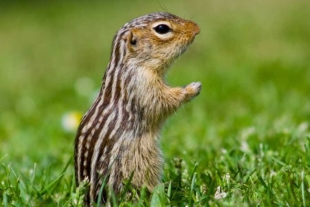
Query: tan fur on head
x,y
157,51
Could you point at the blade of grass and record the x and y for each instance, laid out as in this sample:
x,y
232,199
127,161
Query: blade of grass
x,y
51,187
126,188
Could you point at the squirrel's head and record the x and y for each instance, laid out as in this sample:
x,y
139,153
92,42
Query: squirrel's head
x,y
154,40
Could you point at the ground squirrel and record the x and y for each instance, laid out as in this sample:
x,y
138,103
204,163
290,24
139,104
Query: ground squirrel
x,y
119,134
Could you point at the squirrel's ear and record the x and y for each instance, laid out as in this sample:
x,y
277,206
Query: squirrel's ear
x,y
130,39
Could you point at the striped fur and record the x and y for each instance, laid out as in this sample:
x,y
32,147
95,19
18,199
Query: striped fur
x,y
118,135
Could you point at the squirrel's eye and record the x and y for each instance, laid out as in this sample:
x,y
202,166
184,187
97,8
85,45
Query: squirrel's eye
x,y
162,29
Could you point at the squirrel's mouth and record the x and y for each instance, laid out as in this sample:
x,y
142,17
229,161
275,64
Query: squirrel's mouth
x,y
186,46
176,53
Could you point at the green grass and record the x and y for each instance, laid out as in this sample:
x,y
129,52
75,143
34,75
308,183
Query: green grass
x,y
245,141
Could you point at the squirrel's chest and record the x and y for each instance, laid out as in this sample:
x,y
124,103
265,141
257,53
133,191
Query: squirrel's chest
x,y
143,158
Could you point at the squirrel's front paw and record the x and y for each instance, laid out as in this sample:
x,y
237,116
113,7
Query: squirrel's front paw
x,y
192,90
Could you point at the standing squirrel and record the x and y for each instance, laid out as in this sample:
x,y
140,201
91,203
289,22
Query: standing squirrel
x,y
119,135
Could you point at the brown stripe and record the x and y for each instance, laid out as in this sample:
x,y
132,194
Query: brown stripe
x,y
106,142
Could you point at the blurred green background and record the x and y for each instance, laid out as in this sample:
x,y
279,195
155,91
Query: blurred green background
x,y
252,57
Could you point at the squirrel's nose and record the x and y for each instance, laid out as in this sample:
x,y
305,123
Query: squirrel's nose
x,y
197,30
194,27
